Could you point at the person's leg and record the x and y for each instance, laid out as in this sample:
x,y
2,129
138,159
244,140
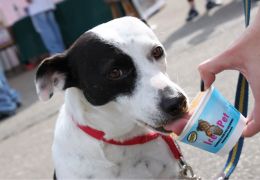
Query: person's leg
x,y
210,4
12,93
192,12
59,46
7,105
41,25
192,4
37,22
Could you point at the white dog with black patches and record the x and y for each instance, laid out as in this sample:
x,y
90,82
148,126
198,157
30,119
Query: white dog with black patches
x,y
115,82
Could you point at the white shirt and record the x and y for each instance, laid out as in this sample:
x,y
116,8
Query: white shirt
x,y
39,6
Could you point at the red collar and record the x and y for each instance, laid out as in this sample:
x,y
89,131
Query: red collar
x,y
99,135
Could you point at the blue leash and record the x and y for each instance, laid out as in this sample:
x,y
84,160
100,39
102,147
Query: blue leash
x,y
241,103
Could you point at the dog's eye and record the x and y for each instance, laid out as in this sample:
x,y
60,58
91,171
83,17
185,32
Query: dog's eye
x,y
115,74
157,52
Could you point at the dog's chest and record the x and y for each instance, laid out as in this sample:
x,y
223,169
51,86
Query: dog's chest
x,y
95,160
146,160
77,155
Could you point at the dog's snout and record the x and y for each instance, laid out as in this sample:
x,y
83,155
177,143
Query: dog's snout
x,y
173,104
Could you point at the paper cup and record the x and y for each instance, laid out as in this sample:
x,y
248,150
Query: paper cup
x,y
215,125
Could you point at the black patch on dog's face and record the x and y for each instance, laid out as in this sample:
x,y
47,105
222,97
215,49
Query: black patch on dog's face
x,y
101,70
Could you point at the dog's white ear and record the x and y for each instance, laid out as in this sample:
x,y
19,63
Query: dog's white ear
x,y
51,75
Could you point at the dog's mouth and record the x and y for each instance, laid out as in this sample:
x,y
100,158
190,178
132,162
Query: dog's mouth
x,y
160,129
174,125
177,125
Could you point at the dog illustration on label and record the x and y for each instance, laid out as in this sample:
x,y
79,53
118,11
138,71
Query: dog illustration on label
x,y
209,129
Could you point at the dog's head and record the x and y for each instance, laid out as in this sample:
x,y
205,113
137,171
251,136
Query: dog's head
x,y
120,61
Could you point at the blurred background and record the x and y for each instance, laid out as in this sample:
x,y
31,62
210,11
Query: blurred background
x,y
191,31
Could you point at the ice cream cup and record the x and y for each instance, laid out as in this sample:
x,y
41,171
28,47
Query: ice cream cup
x,y
215,125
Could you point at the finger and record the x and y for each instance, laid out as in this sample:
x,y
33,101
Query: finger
x,y
250,117
211,67
207,76
251,128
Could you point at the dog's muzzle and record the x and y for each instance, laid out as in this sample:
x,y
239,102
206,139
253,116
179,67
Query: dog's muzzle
x,y
173,106
173,103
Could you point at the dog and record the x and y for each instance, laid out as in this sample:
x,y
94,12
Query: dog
x,y
115,82
209,129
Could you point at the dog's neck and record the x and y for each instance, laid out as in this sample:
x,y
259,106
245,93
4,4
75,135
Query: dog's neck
x,y
115,122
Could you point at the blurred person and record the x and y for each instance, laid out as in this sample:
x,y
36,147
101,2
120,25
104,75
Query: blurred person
x,y
193,12
243,56
44,22
9,98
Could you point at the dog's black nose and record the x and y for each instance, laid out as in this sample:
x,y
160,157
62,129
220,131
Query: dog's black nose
x,y
172,103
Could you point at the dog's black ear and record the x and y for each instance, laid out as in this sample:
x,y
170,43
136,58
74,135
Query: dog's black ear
x,y
52,74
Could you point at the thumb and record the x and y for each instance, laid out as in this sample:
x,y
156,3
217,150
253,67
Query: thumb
x,y
251,128
213,66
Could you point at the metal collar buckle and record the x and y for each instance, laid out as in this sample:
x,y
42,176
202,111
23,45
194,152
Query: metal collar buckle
x,y
186,171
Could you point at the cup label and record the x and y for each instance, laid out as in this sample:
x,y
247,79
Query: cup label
x,y
214,126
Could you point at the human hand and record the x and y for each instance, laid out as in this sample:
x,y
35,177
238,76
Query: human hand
x,y
244,56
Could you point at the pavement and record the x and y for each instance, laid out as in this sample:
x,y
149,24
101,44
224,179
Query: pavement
x,y
25,139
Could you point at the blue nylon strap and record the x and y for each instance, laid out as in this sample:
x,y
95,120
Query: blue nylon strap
x,y
247,8
241,103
